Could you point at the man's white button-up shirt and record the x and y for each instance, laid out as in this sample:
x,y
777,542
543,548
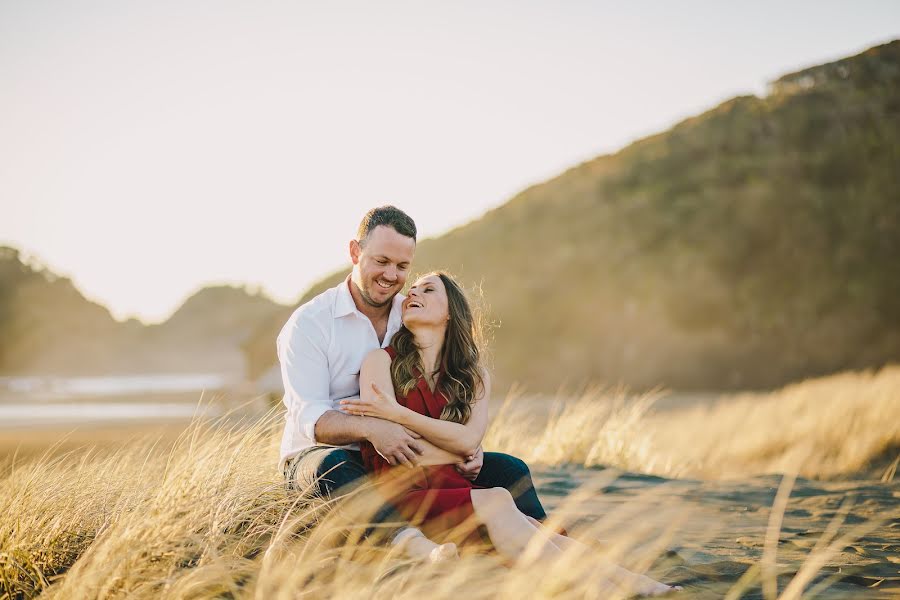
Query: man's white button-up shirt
x,y
321,349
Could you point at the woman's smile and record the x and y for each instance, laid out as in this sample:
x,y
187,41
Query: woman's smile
x,y
418,312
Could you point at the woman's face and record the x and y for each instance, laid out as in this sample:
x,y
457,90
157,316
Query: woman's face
x,y
426,303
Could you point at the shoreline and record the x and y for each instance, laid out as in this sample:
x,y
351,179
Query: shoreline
x,y
54,440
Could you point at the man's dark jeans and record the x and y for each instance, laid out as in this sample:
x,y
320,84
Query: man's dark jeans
x,y
335,471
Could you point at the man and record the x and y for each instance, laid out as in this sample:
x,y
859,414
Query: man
x,y
321,348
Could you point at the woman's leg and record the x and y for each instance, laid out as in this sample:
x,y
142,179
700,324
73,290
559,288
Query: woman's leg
x,y
511,532
622,576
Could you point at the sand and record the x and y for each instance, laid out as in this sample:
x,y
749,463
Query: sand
x,y
724,526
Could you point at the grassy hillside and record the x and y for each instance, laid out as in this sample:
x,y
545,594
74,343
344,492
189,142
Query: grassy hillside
x,y
751,245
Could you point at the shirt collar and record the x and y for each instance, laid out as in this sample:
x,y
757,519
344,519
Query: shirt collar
x,y
343,301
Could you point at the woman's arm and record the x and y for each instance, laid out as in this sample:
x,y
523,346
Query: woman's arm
x,y
432,456
458,438
377,400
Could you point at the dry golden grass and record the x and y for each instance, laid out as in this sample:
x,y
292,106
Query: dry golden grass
x,y
830,427
194,519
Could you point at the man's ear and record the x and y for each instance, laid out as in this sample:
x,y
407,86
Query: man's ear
x,y
355,251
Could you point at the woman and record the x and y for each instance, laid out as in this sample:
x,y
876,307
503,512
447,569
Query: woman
x,y
430,380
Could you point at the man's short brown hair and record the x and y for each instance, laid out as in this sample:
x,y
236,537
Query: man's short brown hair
x,y
390,216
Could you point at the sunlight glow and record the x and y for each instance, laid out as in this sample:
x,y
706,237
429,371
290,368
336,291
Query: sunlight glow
x,y
147,149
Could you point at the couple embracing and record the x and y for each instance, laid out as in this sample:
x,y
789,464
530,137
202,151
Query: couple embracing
x,y
376,381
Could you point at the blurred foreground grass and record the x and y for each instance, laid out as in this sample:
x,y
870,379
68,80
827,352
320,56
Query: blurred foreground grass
x,y
193,518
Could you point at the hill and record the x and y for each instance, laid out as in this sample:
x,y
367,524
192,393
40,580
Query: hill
x,y
49,327
751,245
45,322
209,327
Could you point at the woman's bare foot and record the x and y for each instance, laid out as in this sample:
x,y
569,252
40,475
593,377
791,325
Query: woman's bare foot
x,y
418,547
444,553
641,585
660,589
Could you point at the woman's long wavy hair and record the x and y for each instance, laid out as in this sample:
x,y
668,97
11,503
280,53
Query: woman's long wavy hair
x,y
460,356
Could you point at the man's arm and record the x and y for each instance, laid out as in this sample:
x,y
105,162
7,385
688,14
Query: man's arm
x,y
337,429
304,373
394,441
398,445
307,381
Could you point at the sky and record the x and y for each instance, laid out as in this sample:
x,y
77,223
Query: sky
x,y
150,148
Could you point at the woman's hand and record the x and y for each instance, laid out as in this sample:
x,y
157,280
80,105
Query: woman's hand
x,y
376,404
472,467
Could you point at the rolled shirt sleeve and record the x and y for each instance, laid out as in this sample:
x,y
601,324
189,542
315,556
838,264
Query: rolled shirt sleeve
x,y
302,352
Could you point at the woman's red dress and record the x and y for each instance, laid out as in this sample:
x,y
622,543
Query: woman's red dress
x,y
438,500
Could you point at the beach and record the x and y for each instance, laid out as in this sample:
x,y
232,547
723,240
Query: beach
x,y
718,528
721,494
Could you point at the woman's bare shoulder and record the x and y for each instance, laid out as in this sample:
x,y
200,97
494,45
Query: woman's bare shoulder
x,y
377,358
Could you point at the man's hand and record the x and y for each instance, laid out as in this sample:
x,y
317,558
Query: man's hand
x,y
472,467
397,444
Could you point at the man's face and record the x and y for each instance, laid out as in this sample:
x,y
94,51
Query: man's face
x,y
381,264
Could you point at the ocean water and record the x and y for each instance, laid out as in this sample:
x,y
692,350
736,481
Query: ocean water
x,y
21,415
47,388
28,402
